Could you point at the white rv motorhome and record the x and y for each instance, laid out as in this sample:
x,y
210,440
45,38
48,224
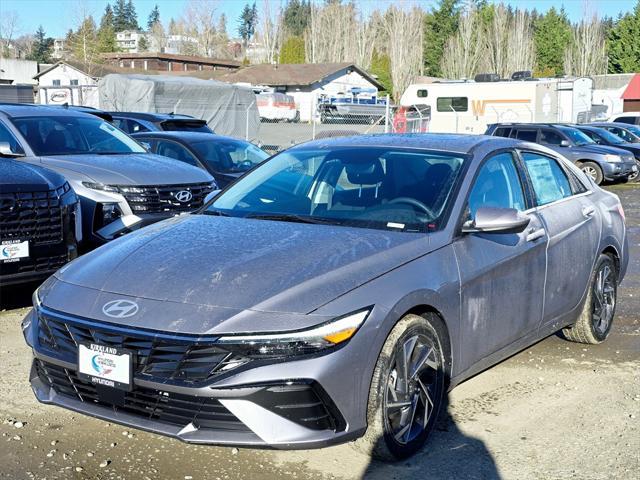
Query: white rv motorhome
x,y
469,106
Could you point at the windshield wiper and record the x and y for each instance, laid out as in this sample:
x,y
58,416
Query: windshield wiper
x,y
218,213
288,217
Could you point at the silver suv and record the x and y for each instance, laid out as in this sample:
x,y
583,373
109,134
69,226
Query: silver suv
x,y
601,163
121,186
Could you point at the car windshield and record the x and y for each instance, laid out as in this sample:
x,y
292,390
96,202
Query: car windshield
x,y
609,137
576,136
229,156
381,188
67,135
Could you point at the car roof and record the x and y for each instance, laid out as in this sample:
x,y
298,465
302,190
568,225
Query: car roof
x,y
612,124
16,110
185,136
447,142
153,117
534,125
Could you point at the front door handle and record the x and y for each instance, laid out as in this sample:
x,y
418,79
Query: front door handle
x,y
588,211
534,234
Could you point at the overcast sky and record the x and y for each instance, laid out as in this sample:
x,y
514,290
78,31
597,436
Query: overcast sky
x,y
57,16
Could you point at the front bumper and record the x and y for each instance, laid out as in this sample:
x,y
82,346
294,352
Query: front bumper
x,y
616,171
280,405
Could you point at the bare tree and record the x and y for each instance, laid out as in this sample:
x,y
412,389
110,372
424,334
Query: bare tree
x,y
200,20
9,26
84,41
587,55
462,53
509,42
270,32
158,37
404,32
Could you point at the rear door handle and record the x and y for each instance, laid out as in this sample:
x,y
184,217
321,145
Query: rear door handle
x,y
588,211
535,234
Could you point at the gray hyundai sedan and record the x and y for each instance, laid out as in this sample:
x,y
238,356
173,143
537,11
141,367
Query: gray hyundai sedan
x,y
334,293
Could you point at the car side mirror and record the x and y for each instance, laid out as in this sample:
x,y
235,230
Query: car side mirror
x,y
496,220
565,143
5,151
145,145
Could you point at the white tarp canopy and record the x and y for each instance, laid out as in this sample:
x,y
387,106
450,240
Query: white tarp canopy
x,y
228,109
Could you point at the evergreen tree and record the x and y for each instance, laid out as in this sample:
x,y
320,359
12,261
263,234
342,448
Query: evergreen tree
x,y
120,21
552,35
41,51
131,16
143,45
439,26
154,17
106,37
296,17
381,68
85,42
624,43
248,21
292,50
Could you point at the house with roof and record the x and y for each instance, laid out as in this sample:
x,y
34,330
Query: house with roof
x,y
631,95
167,62
305,82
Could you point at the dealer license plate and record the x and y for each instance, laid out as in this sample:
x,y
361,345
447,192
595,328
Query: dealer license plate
x,y
13,250
107,366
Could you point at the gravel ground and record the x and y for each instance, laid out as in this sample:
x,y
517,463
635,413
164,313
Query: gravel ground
x,y
557,410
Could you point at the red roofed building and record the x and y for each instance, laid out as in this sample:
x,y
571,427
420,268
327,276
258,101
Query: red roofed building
x,y
631,95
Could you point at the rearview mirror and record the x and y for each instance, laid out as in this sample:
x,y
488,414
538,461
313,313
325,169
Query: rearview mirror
x,y
5,151
496,220
565,143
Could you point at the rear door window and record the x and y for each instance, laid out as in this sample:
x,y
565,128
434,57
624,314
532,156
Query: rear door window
x,y
550,137
502,132
527,135
550,183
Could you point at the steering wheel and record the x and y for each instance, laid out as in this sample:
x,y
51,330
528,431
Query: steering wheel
x,y
414,203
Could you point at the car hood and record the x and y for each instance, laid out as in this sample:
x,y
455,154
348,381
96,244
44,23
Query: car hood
x,y
241,264
600,149
132,169
17,176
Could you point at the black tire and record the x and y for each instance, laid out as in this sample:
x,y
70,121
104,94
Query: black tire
x,y
595,320
386,437
593,170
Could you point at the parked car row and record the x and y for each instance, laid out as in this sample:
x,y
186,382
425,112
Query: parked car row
x,y
595,148
103,182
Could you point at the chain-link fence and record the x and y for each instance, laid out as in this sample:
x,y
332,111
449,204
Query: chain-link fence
x,y
275,121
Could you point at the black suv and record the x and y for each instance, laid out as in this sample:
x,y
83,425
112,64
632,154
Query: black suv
x,y
600,162
38,213
134,122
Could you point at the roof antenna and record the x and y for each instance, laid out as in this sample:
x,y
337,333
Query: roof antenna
x,y
65,104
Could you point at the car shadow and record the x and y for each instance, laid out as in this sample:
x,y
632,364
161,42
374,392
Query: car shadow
x,y
17,296
449,454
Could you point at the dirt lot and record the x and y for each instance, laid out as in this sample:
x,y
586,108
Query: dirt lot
x,y
555,411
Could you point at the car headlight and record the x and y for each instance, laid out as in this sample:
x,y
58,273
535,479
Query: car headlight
x,y
100,186
613,158
321,337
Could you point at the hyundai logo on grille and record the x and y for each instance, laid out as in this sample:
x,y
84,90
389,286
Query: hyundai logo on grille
x,y
183,196
120,308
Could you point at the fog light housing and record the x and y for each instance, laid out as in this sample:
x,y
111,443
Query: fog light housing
x,y
106,213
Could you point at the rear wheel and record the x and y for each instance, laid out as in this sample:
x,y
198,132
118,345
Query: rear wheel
x,y
635,177
593,170
407,390
594,324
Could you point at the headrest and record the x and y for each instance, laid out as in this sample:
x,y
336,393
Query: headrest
x,y
365,173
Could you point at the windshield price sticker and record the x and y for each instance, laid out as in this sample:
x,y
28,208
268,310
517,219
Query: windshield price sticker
x,y
104,365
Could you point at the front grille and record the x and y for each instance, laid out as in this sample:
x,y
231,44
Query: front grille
x,y
33,216
178,361
38,264
166,407
164,198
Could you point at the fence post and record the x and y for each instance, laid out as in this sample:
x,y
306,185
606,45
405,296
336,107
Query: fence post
x,y
246,125
387,113
314,109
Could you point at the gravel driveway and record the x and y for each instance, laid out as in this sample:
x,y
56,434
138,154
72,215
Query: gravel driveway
x,y
557,410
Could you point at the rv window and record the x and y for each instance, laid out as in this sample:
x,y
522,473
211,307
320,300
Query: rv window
x,y
452,104
526,135
630,120
422,93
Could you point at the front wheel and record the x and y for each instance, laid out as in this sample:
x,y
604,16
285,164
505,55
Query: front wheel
x,y
594,324
635,177
593,170
407,390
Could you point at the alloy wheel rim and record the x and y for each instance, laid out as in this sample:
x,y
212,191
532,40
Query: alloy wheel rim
x,y
412,387
634,176
591,172
604,299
